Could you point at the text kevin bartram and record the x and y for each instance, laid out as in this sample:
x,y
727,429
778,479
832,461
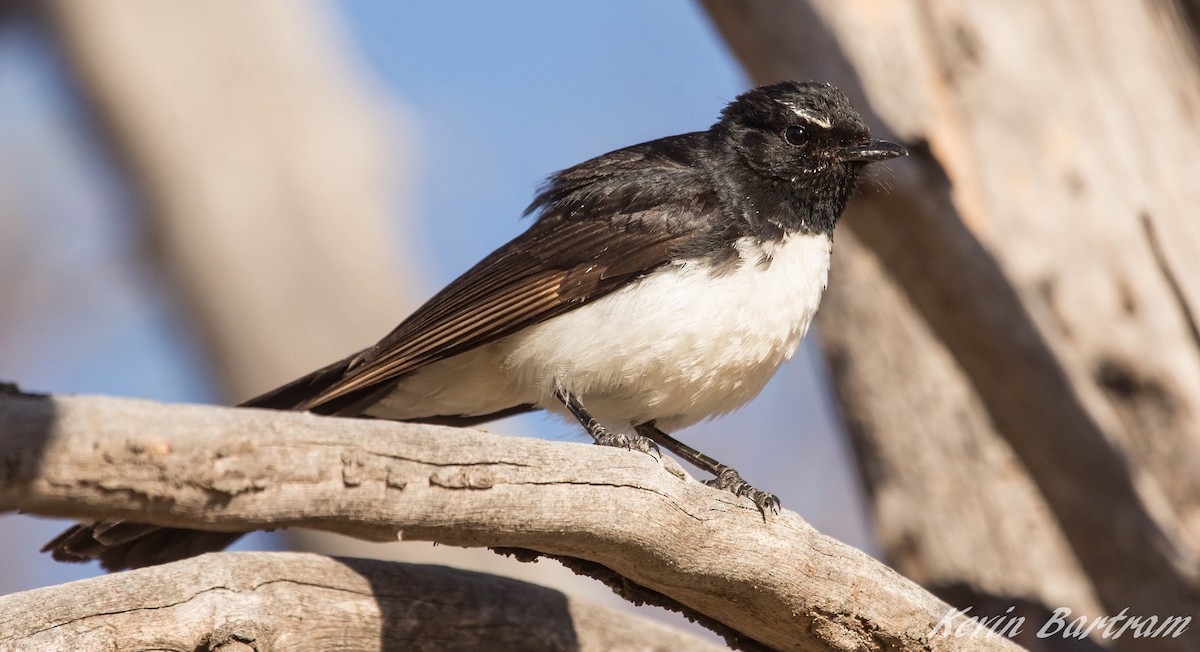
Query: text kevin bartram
x,y
1060,624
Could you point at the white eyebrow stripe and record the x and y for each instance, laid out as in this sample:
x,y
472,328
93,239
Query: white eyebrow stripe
x,y
810,117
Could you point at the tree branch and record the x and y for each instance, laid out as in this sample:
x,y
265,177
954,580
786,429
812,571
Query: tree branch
x,y
216,602
777,582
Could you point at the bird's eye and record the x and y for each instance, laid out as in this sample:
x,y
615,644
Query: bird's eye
x,y
794,135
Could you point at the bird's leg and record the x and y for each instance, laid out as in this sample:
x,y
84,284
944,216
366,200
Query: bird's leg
x,y
599,433
726,477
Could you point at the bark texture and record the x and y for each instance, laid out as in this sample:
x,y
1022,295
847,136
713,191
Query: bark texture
x,y
1038,238
268,602
617,515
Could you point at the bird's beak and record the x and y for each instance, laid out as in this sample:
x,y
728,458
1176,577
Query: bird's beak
x,y
879,150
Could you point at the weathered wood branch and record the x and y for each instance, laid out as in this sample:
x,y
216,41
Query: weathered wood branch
x,y
257,601
776,581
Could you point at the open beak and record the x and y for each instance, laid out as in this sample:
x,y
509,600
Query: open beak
x,y
879,150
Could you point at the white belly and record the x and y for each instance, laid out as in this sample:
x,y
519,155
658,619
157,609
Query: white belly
x,y
677,347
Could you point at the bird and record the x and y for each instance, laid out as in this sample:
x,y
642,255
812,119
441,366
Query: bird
x,y
658,286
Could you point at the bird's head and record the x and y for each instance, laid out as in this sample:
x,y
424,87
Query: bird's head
x,y
792,131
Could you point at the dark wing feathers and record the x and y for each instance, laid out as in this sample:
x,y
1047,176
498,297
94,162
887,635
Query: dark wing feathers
x,y
600,226
489,307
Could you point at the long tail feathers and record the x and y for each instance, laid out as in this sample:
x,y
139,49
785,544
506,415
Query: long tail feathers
x,y
119,545
296,393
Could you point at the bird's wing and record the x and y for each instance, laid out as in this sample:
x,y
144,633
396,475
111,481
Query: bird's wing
x,y
598,231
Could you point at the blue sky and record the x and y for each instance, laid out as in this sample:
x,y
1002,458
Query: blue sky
x,y
504,94
490,98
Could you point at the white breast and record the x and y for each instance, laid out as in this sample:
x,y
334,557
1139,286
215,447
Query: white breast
x,y
681,345
677,347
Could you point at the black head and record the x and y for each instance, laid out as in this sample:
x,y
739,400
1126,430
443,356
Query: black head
x,y
803,140
796,129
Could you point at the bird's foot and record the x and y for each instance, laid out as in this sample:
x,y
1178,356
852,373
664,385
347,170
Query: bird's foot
x,y
601,435
605,437
729,480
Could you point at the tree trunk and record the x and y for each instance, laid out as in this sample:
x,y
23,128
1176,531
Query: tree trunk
x,y
264,165
1037,237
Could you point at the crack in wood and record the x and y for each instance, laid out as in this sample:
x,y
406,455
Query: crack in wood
x,y
1173,284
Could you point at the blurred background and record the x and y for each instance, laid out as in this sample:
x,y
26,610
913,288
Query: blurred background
x,y
199,202
406,137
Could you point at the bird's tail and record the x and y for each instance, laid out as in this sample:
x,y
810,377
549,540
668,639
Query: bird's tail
x,y
294,395
120,545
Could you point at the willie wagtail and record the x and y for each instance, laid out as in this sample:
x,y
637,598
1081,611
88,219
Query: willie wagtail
x,y
660,285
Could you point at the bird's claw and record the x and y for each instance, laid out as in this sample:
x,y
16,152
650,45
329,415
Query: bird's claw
x,y
729,480
628,442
